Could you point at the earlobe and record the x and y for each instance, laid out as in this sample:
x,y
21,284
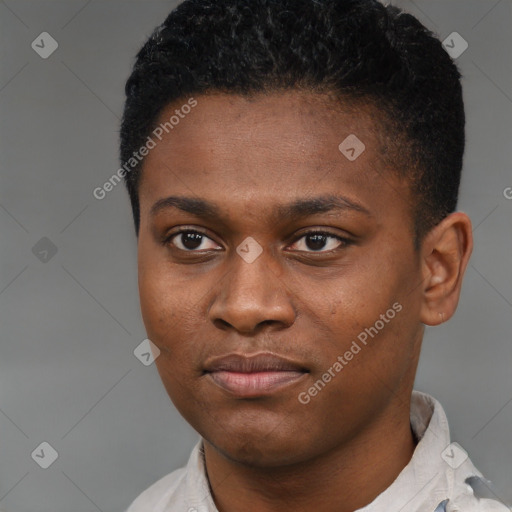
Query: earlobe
x,y
445,254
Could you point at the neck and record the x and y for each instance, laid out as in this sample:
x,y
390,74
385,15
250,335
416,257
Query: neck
x,y
343,480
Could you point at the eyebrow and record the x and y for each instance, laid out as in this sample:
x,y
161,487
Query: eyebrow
x,y
297,209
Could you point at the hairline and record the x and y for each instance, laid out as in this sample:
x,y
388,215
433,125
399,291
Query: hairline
x,y
387,132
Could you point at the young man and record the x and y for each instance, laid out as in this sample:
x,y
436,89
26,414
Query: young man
x,y
293,167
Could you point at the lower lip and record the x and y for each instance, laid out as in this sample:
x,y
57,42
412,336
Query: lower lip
x,y
255,384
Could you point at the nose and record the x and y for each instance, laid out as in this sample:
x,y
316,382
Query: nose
x,y
252,295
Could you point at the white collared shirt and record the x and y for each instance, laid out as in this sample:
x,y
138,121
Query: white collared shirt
x,y
432,481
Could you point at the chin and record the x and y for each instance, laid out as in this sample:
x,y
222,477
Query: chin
x,y
263,445
260,454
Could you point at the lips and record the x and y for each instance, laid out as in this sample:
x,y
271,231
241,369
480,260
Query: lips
x,y
249,376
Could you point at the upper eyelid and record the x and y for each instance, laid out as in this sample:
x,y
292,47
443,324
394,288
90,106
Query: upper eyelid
x,y
344,241
313,231
167,238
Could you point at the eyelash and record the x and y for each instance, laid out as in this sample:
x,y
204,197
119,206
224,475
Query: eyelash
x,y
345,242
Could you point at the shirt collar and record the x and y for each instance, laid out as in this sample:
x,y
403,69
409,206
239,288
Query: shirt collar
x,y
422,485
425,481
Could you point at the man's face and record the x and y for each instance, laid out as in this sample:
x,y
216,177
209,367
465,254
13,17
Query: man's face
x,y
243,341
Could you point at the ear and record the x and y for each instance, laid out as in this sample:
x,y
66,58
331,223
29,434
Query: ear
x,y
445,253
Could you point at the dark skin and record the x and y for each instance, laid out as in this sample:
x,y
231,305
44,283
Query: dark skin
x,y
303,299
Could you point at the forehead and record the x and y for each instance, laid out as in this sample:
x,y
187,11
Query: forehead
x,y
288,144
303,121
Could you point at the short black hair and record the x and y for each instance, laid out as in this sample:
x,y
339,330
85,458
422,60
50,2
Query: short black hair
x,y
360,50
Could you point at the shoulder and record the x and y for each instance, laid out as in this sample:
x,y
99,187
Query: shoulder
x,y
475,494
157,492
458,482
175,490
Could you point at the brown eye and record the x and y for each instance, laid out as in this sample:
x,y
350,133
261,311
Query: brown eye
x,y
191,241
318,241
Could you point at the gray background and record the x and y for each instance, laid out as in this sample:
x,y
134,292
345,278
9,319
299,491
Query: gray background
x,y
69,326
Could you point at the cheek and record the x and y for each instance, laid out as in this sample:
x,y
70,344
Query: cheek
x,y
154,301
171,317
159,313
168,319
369,303
352,296
162,297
